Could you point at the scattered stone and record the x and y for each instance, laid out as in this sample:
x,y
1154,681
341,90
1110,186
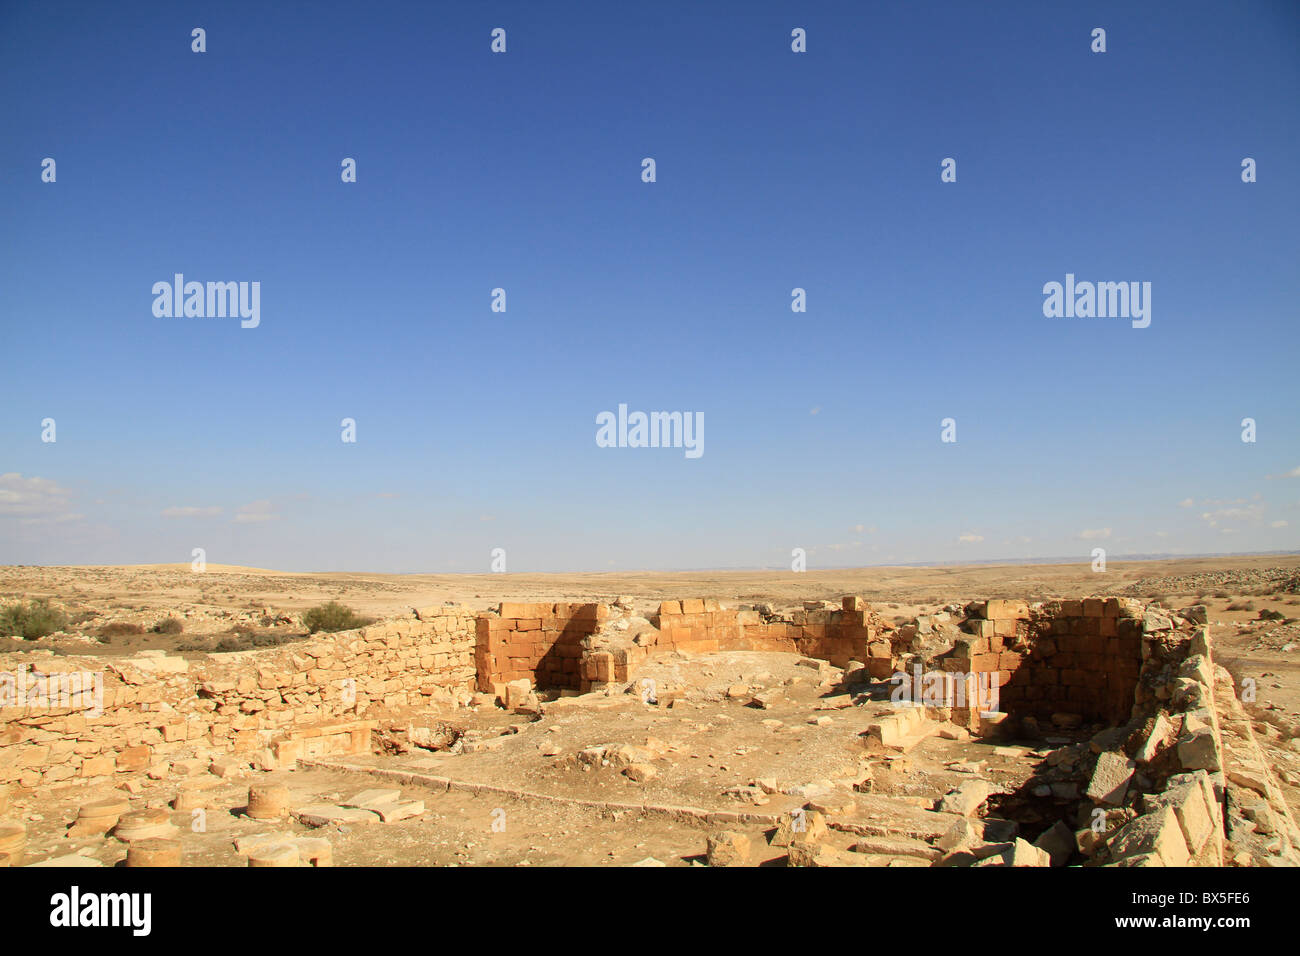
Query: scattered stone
x,y
154,852
98,817
1150,747
326,814
13,841
801,826
278,854
1057,841
144,825
728,848
1110,779
1155,833
966,799
268,802
314,851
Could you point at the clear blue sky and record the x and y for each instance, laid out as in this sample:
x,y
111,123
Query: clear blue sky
x,y
775,170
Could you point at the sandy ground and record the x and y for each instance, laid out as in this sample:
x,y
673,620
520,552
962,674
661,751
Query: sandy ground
x,y
219,602
706,747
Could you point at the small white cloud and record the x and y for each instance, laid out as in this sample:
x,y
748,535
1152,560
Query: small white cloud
x,y
255,511
189,511
1293,473
815,410
31,496
1095,534
970,538
1280,523
1252,513
1187,503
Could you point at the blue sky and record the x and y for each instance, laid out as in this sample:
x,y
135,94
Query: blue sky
x,y
522,170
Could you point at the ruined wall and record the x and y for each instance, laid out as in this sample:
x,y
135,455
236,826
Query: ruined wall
x,y
306,698
838,636
1077,657
542,643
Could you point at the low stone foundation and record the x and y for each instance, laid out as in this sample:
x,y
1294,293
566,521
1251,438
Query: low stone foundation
x,y
1178,779
87,718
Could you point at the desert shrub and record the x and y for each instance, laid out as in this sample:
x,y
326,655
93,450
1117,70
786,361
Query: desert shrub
x,y
270,640
169,625
1269,615
120,628
1241,606
34,619
332,617
229,644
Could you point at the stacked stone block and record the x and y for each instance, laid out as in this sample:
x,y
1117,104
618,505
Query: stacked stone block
x,y
543,643
157,707
699,625
1077,657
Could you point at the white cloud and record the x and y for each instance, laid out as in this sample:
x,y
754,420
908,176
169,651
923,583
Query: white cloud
x,y
1186,503
970,538
1251,513
1293,473
190,511
1095,534
35,500
255,511
1280,523
844,546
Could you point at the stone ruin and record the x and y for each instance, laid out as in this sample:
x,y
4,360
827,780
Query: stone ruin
x,y
1176,777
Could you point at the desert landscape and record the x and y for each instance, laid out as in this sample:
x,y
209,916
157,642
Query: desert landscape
x,y
235,716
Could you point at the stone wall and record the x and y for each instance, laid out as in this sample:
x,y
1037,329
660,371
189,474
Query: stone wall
x,y
542,643
306,698
838,636
1078,657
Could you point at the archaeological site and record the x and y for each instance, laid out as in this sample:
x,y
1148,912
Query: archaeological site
x,y
1097,732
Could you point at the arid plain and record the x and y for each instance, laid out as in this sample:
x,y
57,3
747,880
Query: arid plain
x,y
718,740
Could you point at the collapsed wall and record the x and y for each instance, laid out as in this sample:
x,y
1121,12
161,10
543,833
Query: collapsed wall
x,y
86,718
1178,779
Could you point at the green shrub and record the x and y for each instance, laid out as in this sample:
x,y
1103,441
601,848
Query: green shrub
x,y
169,625
34,619
332,617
